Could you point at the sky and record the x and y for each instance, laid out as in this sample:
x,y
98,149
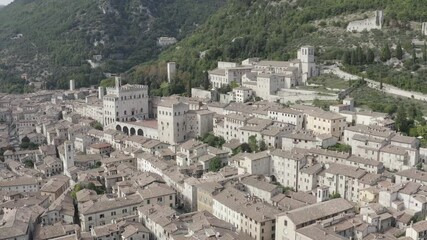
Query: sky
x,y
5,2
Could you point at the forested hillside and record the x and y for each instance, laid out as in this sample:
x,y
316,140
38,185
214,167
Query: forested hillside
x,y
53,39
276,29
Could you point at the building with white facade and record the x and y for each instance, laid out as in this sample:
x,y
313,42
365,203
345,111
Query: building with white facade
x,y
375,22
166,41
254,218
227,73
172,126
288,223
322,122
125,103
265,77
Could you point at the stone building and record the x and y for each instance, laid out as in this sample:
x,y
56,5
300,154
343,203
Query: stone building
x,y
125,103
375,22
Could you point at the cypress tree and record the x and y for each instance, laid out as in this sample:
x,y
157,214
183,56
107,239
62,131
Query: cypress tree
x,y
370,56
414,54
425,53
385,53
399,51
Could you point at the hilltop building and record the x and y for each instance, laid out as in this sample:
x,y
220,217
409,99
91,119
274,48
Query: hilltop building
x,y
375,22
125,103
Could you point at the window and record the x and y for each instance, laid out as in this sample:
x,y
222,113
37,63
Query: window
x,y
101,215
89,218
113,213
124,211
286,223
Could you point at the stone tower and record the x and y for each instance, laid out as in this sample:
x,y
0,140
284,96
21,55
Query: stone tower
x,y
72,85
379,18
424,28
308,64
171,68
69,154
118,82
101,92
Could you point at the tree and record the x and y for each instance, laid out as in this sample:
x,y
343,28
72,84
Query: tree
x,y
27,144
414,54
401,120
253,144
206,80
215,165
86,185
234,84
390,109
399,51
213,140
29,164
360,56
425,52
353,58
420,167
225,89
385,53
335,195
76,189
25,140
262,145
340,148
245,148
97,125
189,86
412,112
346,58
370,56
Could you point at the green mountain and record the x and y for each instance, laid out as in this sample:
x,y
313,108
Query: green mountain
x,y
275,29
53,39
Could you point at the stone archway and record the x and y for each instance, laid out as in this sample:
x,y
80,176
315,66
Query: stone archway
x,y
119,128
132,131
126,130
140,132
273,178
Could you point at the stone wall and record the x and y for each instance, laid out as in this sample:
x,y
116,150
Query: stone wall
x,y
200,93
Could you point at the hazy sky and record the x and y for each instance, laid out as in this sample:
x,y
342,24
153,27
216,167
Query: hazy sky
x,y
5,2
